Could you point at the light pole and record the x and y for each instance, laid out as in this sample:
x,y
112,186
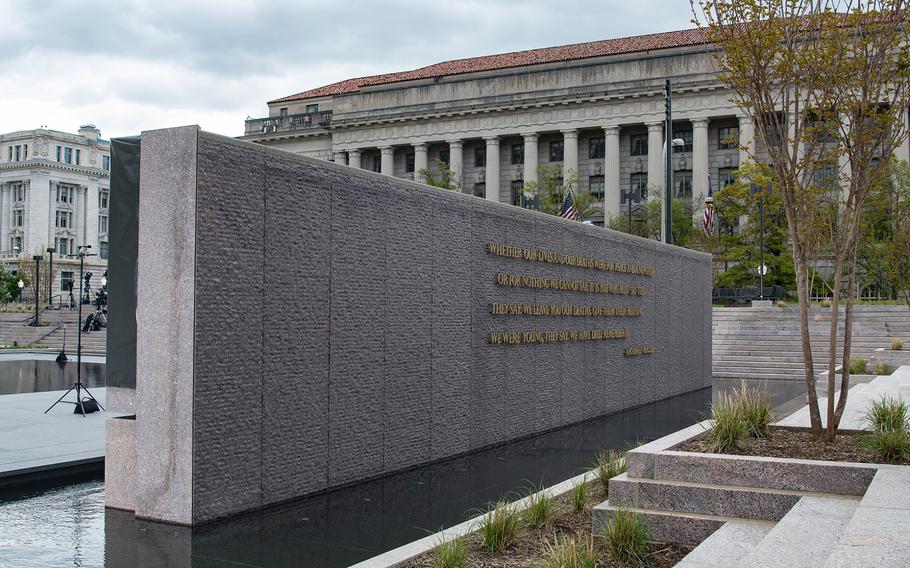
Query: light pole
x,y
21,285
50,284
666,212
37,258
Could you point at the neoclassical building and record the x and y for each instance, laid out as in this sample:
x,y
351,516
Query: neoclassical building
x,y
55,193
595,109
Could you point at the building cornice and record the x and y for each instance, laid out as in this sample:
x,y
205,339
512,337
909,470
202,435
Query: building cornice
x,y
52,165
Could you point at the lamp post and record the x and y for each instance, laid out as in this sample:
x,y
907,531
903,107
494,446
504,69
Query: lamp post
x,y
666,214
21,285
50,284
37,258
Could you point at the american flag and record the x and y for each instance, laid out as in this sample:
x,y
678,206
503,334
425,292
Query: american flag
x,y
568,207
709,211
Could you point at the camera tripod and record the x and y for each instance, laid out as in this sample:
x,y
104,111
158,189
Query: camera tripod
x,y
78,386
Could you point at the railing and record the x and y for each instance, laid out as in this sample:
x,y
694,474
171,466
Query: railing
x,y
288,123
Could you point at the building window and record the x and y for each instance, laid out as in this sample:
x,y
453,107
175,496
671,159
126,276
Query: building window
x,y
66,281
59,150
517,188
682,185
102,224
727,137
78,153
9,154
480,157
518,154
444,156
102,250
556,151
63,245
15,244
106,163
312,108
596,148
18,152
596,186
68,155
18,217
725,177
103,196
283,111
65,194
686,136
64,220
409,163
377,163
825,177
480,189
639,144
638,189
18,192
25,151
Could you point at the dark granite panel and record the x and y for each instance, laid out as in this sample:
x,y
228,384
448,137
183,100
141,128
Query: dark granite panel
x,y
296,339
229,328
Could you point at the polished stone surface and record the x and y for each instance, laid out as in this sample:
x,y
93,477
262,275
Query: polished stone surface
x,y
40,372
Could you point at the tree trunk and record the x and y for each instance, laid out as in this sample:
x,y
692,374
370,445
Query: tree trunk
x,y
830,429
803,294
848,338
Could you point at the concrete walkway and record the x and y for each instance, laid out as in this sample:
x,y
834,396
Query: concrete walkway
x,y
31,441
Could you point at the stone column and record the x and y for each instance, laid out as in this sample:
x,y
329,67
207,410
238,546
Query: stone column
x,y
655,158
699,157
569,153
420,161
340,158
746,138
611,172
456,160
902,152
387,165
530,165
491,175
354,159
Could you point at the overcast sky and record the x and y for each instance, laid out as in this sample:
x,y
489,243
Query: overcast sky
x,y
131,65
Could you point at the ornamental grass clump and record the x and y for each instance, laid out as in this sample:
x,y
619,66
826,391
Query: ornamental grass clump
x,y
627,537
728,426
499,527
858,366
540,510
451,554
888,415
580,495
566,552
892,445
756,410
609,465
897,344
881,368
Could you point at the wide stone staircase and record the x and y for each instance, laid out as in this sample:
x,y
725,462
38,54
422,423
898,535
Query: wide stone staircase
x,y
14,329
765,343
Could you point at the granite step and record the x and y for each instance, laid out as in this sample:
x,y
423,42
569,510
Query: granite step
x,y
727,546
664,526
805,537
753,503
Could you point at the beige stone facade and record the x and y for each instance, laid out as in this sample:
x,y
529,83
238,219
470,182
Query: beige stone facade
x,y
600,116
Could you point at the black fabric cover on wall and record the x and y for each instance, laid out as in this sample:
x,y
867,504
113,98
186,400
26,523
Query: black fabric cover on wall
x,y
122,254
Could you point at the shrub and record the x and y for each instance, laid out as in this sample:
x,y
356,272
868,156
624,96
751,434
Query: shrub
x,y
452,554
729,426
756,410
499,527
888,415
580,496
825,303
897,344
858,366
541,509
566,552
881,368
891,445
627,537
609,464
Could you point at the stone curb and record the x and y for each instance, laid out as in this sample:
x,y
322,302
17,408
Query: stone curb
x,y
404,553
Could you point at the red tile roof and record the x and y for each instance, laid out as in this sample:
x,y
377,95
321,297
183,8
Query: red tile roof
x,y
515,59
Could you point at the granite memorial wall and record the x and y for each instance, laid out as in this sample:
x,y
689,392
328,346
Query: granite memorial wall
x,y
322,325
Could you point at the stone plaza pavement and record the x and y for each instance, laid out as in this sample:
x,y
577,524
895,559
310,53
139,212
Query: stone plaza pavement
x,y
34,442
827,531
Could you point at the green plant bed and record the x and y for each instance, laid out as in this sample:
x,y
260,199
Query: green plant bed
x,y
565,542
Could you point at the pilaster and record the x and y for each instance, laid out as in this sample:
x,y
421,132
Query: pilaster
x,y
491,175
655,158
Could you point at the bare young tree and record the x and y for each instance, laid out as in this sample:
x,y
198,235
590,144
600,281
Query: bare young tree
x,y
826,86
